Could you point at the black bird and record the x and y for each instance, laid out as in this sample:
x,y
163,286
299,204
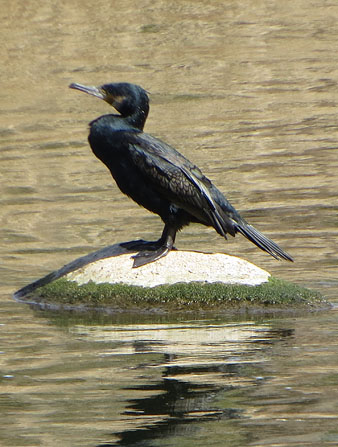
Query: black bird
x,y
158,177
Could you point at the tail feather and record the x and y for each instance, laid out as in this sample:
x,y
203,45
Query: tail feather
x,y
262,241
225,219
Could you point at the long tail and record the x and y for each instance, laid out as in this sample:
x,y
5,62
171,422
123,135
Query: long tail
x,y
225,219
262,241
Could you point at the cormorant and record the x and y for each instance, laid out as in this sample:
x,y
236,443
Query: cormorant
x,y
158,177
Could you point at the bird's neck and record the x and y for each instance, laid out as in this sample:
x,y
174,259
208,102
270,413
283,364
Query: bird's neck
x,y
112,123
137,119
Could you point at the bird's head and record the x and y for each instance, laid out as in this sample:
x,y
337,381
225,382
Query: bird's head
x,y
130,100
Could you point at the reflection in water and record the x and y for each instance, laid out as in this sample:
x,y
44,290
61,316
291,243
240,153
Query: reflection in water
x,y
202,367
179,406
152,380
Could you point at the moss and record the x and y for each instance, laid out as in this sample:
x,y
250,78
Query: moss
x,y
177,297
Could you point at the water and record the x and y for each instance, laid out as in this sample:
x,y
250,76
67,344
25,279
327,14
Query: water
x,y
248,91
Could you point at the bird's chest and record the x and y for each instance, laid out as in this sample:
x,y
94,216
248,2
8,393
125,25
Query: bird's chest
x,y
113,151
109,148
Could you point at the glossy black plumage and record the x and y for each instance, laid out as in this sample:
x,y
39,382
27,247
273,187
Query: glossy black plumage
x,y
158,177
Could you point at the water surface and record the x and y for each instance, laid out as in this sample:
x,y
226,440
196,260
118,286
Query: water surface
x,y
246,90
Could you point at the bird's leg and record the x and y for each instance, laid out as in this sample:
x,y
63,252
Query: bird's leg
x,y
157,249
142,245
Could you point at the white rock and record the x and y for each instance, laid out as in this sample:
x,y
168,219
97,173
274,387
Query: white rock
x,y
177,266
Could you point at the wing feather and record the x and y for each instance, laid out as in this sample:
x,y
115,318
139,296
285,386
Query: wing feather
x,y
181,181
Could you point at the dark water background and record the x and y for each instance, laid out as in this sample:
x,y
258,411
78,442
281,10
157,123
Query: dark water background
x,y
248,91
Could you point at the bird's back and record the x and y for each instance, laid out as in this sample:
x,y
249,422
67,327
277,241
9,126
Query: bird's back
x,y
157,169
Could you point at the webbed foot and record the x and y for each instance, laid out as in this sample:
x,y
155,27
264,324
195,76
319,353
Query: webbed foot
x,y
145,257
152,251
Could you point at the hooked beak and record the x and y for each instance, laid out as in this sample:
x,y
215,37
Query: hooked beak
x,y
94,91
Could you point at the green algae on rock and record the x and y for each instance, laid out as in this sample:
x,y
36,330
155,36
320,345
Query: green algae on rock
x,y
178,297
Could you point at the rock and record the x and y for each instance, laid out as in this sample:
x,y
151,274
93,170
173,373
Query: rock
x,y
181,281
176,267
